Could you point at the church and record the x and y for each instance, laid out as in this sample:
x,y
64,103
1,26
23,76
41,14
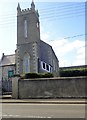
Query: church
x,y
32,54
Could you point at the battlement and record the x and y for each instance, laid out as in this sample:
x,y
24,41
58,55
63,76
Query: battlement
x,y
25,11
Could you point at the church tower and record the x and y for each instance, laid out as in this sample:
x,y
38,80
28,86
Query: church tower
x,y
28,40
27,25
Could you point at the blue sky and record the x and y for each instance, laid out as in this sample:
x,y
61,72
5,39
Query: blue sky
x,y
62,25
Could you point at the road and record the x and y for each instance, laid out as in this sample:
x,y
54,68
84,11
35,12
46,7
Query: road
x,y
18,110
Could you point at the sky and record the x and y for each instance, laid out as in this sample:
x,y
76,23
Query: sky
x,y
62,25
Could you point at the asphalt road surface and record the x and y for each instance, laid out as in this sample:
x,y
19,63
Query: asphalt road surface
x,y
17,110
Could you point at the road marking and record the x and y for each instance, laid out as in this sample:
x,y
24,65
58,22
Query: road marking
x,y
19,116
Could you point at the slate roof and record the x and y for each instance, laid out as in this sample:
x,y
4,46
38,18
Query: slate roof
x,y
7,60
44,47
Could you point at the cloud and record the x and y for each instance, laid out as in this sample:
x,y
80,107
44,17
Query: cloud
x,y
45,36
80,58
65,48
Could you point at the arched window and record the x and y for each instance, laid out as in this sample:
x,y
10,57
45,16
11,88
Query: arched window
x,y
26,63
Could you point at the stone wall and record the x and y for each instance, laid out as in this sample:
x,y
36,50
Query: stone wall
x,y
49,88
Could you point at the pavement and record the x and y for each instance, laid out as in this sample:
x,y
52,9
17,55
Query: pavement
x,y
9,99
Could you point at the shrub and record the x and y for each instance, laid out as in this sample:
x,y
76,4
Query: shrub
x,y
37,75
31,75
73,72
47,75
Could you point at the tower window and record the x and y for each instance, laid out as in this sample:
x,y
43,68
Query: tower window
x,y
37,25
25,28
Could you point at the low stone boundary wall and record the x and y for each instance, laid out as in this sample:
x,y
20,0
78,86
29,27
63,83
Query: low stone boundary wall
x,y
49,88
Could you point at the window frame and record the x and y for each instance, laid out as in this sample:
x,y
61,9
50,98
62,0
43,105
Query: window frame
x,y
45,68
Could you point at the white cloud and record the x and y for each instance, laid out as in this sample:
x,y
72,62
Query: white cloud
x,y
45,36
63,62
79,62
81,50
80,58
64,48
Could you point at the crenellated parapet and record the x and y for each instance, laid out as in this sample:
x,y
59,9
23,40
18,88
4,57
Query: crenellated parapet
x,y
26,11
